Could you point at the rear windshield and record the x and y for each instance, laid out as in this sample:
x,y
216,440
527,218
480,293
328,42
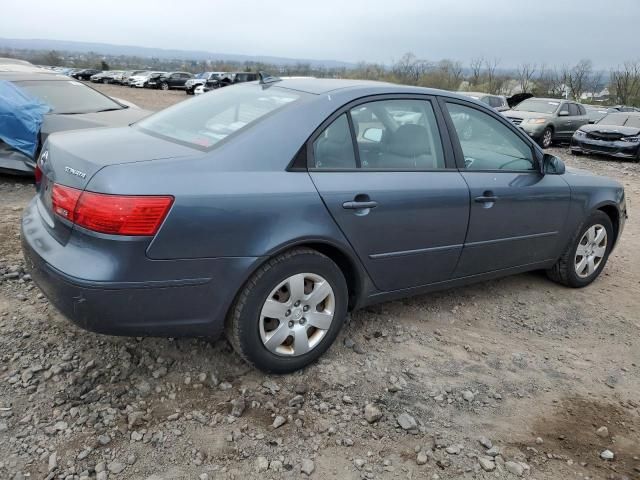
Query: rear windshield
x,y
620,120
537,106
210,118
69,96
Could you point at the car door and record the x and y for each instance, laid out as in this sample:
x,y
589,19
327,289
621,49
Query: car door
x,y
583,118
385,170
516,213
575,118
563,123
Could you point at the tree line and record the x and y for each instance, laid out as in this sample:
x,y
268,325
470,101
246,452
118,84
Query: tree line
x,y
481,74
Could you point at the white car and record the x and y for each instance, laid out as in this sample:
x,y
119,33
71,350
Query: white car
x,y
141,80
199,90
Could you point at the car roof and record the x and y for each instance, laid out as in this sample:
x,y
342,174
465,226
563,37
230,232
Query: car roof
x,y
544,99
477,94
319,86
42,75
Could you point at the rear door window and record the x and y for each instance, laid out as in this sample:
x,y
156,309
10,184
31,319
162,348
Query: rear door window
x,y
574,111
398,135
333,149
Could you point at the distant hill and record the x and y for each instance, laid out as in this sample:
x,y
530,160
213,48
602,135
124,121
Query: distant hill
x,y
147,52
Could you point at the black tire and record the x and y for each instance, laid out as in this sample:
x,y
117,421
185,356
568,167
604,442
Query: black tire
x,y
242,324
164,86
105,80
546,139
564,271
577,153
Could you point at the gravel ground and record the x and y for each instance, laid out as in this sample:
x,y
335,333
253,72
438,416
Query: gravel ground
x,y
508,378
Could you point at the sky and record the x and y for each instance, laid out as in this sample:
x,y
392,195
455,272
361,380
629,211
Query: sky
x,y
553,32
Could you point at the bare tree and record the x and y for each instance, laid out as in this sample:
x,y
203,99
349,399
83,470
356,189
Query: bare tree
x,y
493,83
625,83
476,70
526,72
576,78
409,69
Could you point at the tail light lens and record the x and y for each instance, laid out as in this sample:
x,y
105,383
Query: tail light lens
x,y
38,174
112,214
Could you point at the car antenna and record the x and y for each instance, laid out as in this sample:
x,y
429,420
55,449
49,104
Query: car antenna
x,y
266,78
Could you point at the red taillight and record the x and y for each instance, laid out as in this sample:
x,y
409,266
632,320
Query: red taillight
x,y
64,200
112,214
38,174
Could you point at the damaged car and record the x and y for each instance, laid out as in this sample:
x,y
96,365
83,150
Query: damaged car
x,y
57,103
616,135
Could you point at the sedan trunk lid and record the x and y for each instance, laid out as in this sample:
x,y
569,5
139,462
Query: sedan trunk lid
x,y
71,159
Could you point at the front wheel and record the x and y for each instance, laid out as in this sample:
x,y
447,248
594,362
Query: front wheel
x,y
164,86
587,253
547,138
289,312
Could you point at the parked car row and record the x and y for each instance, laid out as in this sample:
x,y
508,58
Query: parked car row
x,y
190,83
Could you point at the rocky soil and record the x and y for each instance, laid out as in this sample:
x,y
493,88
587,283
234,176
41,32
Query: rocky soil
x,y
512,378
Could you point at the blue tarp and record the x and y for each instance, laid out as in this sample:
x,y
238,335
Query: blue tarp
x,y
20,118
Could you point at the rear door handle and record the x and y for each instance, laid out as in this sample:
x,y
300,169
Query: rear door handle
x,y
486,197
359,205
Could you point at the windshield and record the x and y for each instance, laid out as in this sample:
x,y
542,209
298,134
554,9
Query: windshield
x,y
69,96
210,118
615,119
537,106
620,120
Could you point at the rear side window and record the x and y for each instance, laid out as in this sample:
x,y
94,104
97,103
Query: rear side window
x,y
583,111
495,102
213,117
574,111
398,135
333,149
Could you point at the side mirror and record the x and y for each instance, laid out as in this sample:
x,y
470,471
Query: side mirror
x,y
373,134
563,113
552,165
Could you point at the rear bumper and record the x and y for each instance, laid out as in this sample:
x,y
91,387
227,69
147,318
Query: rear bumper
x,y
611,148
192,305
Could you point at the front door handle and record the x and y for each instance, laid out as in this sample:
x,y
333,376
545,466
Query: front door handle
x,y
486,197
359,205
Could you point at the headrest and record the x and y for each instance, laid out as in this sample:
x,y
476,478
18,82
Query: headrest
x,y
409,141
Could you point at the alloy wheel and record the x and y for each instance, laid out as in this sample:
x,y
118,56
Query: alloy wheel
x,y
547,137
591,251
297,315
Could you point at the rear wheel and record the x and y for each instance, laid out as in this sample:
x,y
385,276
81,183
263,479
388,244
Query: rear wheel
x,y
587,253
547,138
289,312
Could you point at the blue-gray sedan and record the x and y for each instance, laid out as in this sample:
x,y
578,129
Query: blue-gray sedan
x,y
268,210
